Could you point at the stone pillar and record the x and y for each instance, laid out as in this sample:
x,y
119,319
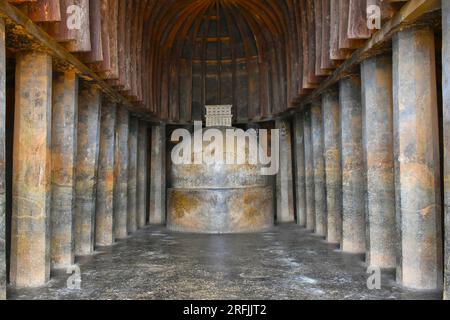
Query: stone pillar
x,y
104,217
158,176
121,174
319,170
332,152
132,174
376,74
30,240
309,173
285,192
2,162
299,144
86,169
417,167
64,153
142,174
353,175
446,116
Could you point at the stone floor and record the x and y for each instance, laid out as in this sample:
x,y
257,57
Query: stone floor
x,y
284,263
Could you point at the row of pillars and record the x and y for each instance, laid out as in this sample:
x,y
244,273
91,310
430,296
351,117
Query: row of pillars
x,y
80,171
367,162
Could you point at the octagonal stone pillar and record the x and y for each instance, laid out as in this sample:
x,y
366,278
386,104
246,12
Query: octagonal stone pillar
x,y
142,174
376,76
2,162
332,153
309,172
31,190
89,108
417,160
319,170
158,176
285,191
104,216
446,120
64,154
132,174
299,145
353,171
121,174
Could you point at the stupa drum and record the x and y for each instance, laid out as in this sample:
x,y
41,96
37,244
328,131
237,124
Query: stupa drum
x,y
219,198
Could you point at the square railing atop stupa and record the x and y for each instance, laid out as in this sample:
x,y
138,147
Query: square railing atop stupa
x,y
219,116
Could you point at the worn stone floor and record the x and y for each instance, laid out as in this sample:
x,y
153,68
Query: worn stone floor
x,y
284,263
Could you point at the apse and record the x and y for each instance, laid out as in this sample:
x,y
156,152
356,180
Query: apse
x,y
219,52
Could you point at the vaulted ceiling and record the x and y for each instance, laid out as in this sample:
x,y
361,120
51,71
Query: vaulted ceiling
x,y
218,52
170,58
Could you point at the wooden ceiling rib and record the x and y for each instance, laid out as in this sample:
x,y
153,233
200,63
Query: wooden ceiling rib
x,y
262,56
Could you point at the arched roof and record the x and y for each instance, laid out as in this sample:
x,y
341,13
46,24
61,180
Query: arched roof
x,y
170,58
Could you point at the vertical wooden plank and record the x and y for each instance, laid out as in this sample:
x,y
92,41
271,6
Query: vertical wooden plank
x,y
82,42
